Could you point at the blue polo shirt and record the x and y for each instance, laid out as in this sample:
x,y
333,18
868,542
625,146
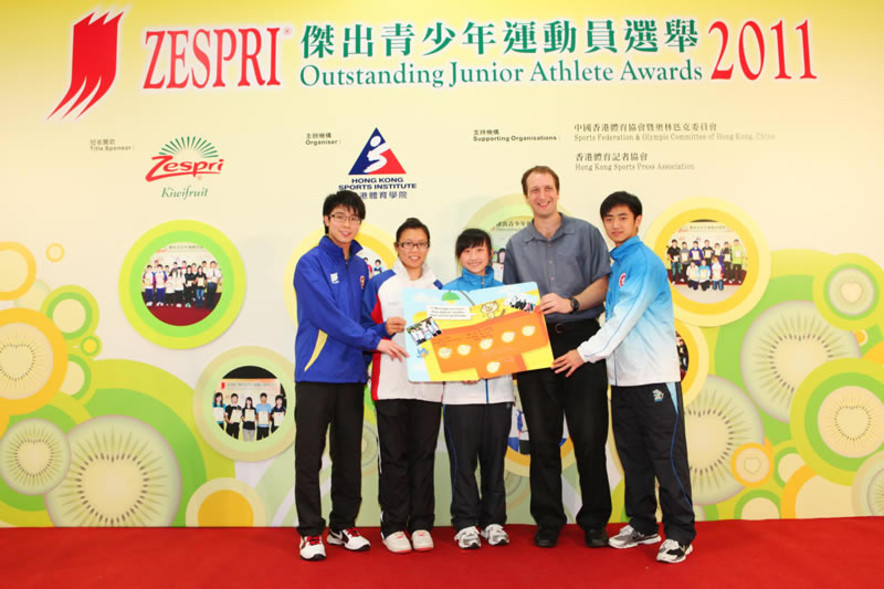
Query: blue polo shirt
x,y
264,408
575,257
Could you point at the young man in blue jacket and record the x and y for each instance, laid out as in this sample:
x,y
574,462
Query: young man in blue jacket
x,y
330,374
647,410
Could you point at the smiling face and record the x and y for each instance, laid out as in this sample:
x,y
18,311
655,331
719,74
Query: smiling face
x,y
621,224
412,249
475,259
542,195
343,225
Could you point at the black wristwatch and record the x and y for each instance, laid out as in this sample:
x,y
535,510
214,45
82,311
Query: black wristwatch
x,y
575,305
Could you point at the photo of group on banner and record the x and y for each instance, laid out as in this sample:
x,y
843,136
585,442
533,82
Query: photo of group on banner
x,y
252,414
373,268
706,261
178,292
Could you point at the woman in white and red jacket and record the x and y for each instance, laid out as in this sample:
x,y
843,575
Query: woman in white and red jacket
x,y
408,412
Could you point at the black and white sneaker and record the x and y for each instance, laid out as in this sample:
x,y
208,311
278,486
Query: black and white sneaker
x,y
671,551
349,538
629,537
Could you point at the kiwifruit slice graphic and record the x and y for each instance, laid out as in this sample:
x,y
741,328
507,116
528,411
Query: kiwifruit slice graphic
x,y
782,346
34,456
718,422
868,486
25,360
851,421
851,291
122,473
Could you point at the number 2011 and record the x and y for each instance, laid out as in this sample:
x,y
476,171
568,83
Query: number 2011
x,y
754,30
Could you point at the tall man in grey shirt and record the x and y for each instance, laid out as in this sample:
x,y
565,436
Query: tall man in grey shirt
x,y
568,259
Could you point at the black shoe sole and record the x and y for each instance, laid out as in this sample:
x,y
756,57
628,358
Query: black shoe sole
x,y
598,540
546,540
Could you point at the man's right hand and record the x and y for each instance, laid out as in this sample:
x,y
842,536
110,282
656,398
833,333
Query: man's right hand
x,y
392,349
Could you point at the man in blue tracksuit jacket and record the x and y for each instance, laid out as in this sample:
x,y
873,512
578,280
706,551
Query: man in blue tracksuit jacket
x,y
330,374
647,410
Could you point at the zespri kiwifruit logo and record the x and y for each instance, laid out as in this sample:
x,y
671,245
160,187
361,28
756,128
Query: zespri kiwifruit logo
x,y
185,156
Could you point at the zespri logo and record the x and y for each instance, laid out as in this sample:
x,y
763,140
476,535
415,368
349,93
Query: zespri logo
x,y
185,156
200,57
193,58
93,62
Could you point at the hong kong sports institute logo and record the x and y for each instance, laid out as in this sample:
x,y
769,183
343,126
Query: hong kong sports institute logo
x,y
93,62
185,156
376,158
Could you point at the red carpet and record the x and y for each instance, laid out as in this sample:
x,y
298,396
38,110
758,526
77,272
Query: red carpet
x,y
172,315
790,553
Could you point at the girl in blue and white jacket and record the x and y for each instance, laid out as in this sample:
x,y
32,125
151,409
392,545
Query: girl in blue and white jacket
x,y
477,416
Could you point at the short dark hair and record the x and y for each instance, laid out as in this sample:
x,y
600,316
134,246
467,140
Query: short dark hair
x,y
538,170
412,223
621,197
343,198
471,238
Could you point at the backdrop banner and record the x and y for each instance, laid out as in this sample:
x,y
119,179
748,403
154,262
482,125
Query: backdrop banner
x,y
164,166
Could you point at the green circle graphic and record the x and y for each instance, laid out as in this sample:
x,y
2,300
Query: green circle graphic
x,y
755,494
784,451
86,366
866,279
206,330
804,414
205,389
90,345
79,295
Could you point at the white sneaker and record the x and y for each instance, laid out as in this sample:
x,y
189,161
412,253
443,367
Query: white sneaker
x,y
349,538
468,538
421,540
312,548
671,551
496,535
397,543
629,537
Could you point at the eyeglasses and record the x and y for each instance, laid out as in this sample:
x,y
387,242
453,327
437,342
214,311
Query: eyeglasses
x,y
410,245
342,218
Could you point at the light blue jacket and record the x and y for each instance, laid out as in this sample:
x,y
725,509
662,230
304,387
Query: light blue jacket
x,y
638,337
